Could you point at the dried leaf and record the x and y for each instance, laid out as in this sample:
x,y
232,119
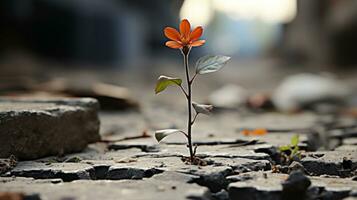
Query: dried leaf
x,y
161,134
202,108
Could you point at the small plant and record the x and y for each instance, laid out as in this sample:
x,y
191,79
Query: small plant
x,y
291,152
184,41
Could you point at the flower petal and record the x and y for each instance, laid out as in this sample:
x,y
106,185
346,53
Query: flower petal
x,y
173,44
185,28
172,34
196,33
198,43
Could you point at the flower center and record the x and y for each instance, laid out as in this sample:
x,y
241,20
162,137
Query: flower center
x,y
184,40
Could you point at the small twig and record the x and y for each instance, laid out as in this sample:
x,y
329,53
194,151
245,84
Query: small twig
x,y
183,132
194,119
144,135
183,90
251,142
193,78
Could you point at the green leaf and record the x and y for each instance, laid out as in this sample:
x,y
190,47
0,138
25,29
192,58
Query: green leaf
x,y
209,64
164,81
202,108
284,148
161,134
294,140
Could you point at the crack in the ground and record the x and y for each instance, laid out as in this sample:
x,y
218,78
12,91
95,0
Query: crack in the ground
x,y
217,182
313,165
131,173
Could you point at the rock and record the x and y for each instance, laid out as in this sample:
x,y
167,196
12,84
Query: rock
x,y
301,90
65,171
269,185
34,128
170,184
214,180
296,166
221,195
120,172
111,97
258,187
331,163
336,188
229,96
295,186
260,101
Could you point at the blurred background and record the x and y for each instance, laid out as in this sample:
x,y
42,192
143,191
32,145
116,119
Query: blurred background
x,y
68,45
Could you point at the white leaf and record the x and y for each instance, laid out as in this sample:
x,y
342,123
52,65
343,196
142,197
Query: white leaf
x,y
161,134
202,108
209,64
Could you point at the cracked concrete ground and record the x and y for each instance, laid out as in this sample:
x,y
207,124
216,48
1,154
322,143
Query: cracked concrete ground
x,y
235,167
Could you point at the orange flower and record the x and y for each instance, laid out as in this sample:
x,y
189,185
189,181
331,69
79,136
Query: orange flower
x,y
184,38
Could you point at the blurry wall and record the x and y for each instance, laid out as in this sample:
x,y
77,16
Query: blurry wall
x,y
108,32
324,33
85,31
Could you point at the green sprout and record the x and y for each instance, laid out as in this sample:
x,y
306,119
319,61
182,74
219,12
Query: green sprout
x,y
184,41
291,151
